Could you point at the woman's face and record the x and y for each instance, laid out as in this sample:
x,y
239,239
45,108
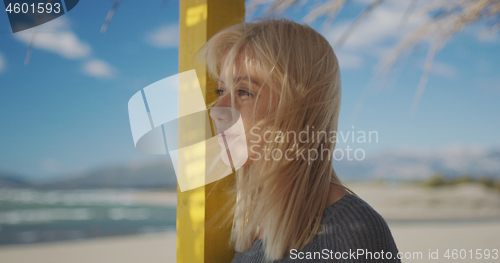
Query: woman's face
x,y
251,100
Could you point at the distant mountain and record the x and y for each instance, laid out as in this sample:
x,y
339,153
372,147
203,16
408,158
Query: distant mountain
x,y
11,181
418,164
397,165
157,174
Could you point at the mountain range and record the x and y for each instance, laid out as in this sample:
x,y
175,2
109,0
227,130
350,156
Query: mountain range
x,y
156,174
408,164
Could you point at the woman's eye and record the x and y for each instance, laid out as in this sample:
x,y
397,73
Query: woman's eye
x,y
243,93
219,92
240,93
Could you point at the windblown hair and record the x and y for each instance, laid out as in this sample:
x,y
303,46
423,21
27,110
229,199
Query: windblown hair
x,y
285,197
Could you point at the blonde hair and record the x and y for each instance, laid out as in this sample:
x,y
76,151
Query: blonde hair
x,y
286,197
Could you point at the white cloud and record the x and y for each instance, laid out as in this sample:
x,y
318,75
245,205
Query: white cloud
x,y
482,32
420,163
379,32
489,37
164,37
56,36
98,68
444,70
3,64
458,159
349,60
440,68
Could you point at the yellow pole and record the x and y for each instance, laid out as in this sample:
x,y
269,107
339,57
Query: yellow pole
x,y
200,239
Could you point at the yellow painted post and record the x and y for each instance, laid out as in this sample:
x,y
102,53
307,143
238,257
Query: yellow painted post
x,y
200,239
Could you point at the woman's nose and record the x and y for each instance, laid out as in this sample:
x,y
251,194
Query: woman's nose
x,y
221,115
221,112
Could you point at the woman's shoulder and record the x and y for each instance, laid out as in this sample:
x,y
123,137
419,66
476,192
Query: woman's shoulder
x,y
350,207
352,214
352,224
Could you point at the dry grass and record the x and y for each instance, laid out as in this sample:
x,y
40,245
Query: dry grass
x,y
448,17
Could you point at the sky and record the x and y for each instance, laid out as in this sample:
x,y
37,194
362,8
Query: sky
x,y
66,112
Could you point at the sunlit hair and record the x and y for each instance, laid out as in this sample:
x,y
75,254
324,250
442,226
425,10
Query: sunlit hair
x,y
301,70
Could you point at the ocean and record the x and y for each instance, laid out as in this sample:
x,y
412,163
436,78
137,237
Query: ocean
x,y
33,216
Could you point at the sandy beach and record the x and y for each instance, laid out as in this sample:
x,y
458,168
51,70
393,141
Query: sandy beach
x,y
422,221
144,248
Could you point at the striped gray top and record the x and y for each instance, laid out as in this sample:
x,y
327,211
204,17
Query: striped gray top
x,y
352,232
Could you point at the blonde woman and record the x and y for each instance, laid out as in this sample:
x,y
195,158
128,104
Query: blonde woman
x,y
284,80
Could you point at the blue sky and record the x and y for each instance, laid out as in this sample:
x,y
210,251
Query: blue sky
x,y
66,112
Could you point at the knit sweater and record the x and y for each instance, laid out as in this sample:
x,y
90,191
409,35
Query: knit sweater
x,y
352,231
